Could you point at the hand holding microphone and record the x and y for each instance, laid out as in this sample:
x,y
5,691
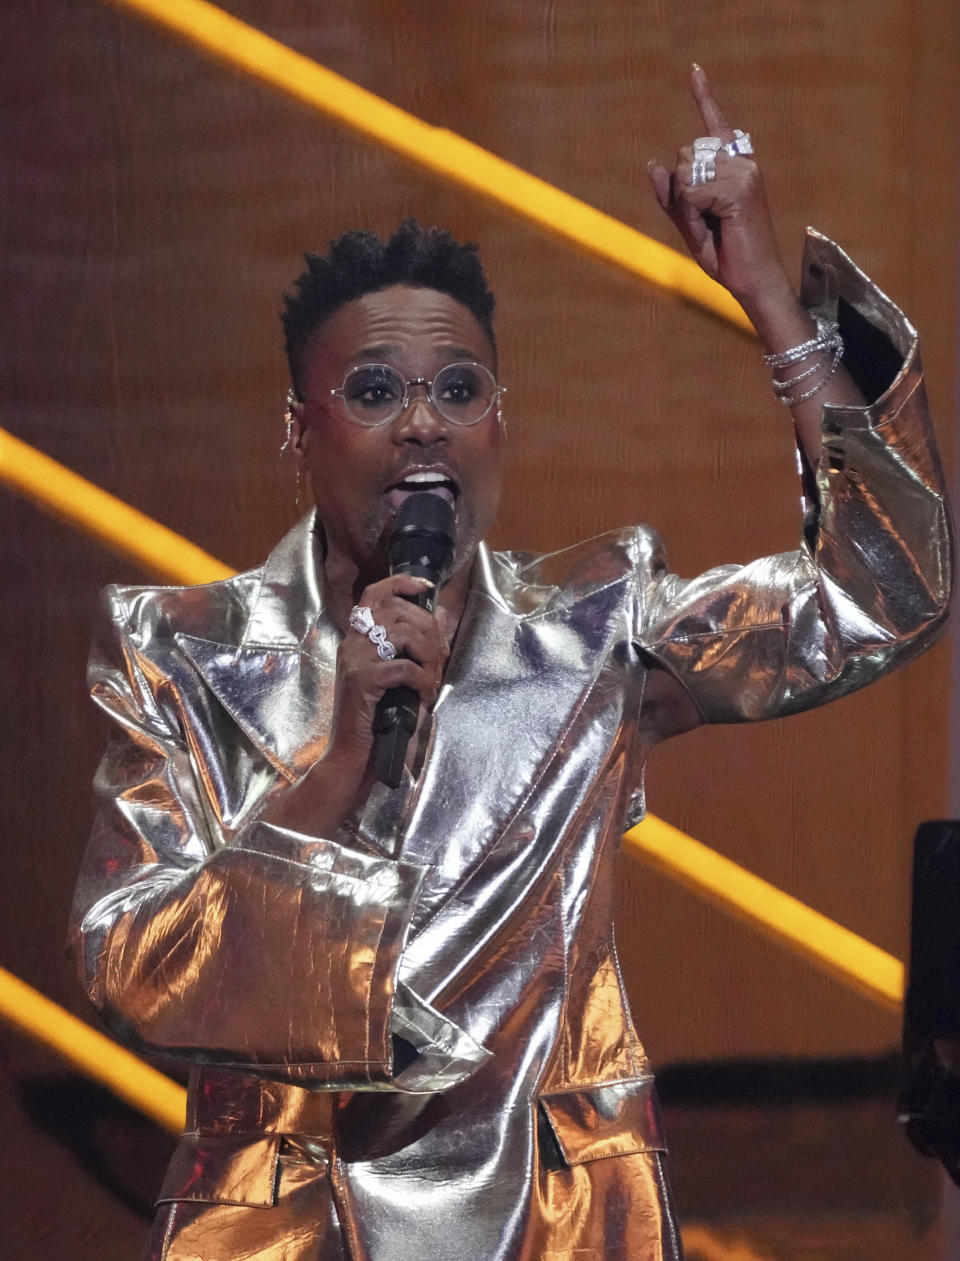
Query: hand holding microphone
x,y
379,701
421,546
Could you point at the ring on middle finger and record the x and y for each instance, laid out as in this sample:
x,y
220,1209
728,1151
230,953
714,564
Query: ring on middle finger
x,y
704,167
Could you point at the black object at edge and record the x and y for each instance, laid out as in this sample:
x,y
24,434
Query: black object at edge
x,y
929,1104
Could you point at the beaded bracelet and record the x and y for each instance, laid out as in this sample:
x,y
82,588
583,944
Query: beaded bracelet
x,y
827,332
802,398
827,341
781,387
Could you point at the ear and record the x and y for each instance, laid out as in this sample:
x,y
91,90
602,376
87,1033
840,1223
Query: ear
x,y
293,420
298,430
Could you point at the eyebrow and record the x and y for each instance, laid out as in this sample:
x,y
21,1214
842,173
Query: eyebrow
x,y
458,352
372,352
375,353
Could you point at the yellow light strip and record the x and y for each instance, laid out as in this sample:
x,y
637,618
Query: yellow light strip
x,y
710,1247
440,151
81,504
847,956
92,1053
851,958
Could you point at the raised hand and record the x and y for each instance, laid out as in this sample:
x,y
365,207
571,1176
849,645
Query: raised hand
x,y
725,223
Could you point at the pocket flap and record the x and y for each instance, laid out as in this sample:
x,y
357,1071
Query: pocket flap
x,y
224,1169
615,1119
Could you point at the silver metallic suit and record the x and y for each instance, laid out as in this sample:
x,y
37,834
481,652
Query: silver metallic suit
x,y
411,1039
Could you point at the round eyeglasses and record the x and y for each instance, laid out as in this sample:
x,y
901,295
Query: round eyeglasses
x,y
376,393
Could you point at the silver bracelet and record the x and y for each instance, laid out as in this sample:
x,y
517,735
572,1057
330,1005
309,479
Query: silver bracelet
x,y
802,398
781,387
830,346
827,330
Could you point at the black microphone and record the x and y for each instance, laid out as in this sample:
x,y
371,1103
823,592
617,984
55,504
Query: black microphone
x,y
421,543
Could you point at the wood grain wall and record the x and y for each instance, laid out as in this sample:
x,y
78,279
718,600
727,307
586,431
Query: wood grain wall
x,y
155,207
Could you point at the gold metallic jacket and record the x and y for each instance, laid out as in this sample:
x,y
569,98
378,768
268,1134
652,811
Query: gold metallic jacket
x,y
411,1039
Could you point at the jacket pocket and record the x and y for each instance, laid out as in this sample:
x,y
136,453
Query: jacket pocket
x,y
224,1169
614,1119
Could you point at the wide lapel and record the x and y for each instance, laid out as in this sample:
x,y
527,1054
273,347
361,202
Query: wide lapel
x,y
277,682
525,657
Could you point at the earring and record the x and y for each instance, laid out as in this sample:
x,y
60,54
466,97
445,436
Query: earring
x,y
288,423
287,444
500,419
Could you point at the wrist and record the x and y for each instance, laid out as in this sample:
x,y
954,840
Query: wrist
x,y
770,300
338,775
318,803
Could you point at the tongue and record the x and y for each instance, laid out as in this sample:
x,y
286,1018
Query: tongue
x,y
397,496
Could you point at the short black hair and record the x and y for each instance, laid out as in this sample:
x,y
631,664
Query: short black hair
x,y
359,262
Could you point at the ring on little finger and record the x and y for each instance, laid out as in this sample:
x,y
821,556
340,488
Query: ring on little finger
x,y
362,620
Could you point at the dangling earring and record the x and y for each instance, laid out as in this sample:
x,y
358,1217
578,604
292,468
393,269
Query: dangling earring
x,y
288,422
287,445
500,419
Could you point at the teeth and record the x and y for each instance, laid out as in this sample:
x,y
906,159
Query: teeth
x,y
425,477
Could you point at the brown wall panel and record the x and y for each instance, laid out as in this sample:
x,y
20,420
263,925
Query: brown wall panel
x,y
154,208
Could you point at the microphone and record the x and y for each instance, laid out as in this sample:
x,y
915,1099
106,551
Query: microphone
x,y
421,543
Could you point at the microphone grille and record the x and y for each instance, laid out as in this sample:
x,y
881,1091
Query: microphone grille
x,y
425,512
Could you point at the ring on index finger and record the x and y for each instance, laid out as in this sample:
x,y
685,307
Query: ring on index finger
x,y
362,620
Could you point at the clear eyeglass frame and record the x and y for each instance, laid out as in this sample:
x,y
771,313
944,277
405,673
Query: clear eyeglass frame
x,y
441,406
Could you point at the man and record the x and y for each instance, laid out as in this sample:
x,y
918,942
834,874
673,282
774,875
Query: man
x,y
404,1006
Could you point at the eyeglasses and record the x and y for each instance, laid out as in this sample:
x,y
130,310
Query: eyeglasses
x,y
376,393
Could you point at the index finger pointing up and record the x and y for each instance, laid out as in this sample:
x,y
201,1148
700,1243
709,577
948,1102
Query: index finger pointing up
x,y
713,117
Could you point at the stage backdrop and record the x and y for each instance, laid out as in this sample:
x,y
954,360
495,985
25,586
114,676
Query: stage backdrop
x,y
156,206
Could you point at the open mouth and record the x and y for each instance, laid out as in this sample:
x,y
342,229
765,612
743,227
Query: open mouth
x,y
422,483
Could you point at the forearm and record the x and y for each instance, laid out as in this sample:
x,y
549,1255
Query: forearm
x,y
204,932
279,953
869,588
318,803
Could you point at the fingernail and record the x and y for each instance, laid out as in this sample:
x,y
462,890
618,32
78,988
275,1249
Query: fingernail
x,y
426,581
698,67
651,164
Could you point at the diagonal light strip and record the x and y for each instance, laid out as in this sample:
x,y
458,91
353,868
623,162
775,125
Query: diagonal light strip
x,y
95,512
790,922
708,1246
846,955
442,152
99,1057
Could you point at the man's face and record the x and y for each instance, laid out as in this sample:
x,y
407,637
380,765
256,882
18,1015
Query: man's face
x,y
356,471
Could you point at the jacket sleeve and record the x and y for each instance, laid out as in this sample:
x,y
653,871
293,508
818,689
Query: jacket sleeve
x,y
869,587
271,951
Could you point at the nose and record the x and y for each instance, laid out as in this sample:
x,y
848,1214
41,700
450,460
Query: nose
x,y
419,423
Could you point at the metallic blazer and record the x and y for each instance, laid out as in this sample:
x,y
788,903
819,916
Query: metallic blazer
x,y
412,1038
